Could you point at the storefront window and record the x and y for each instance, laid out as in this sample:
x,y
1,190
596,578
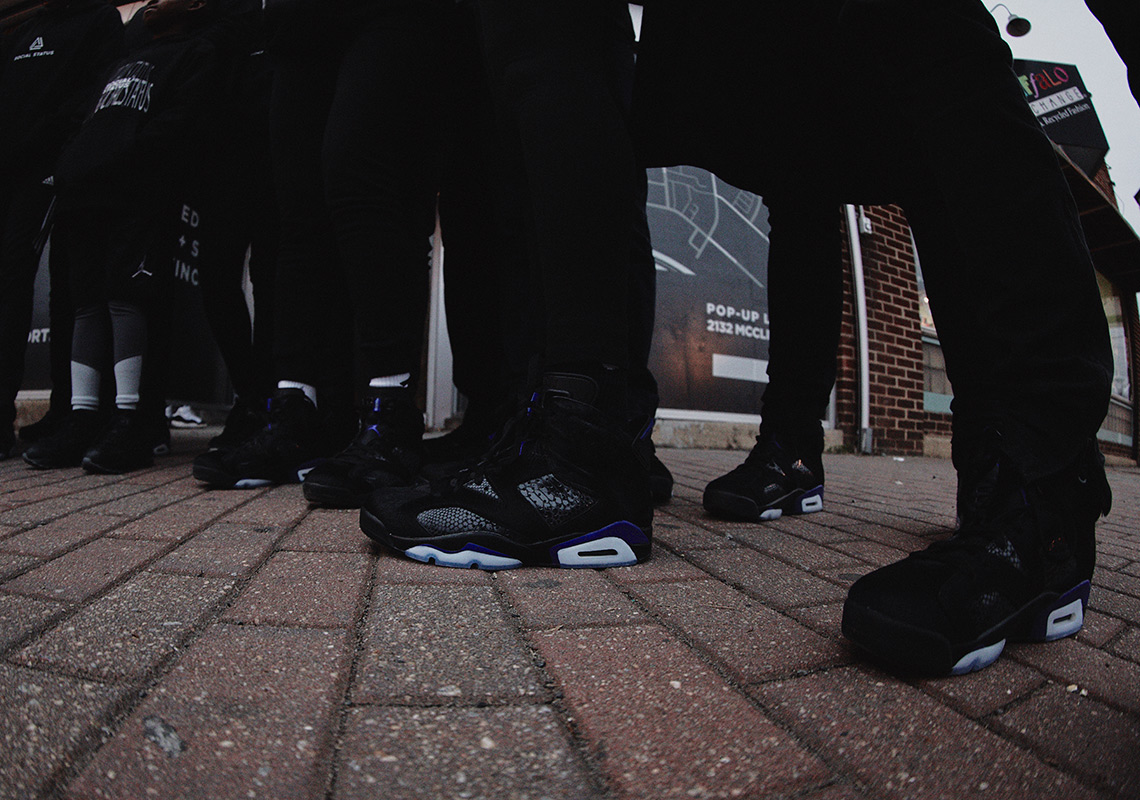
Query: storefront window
x,y
937,392
1117,427
1114,312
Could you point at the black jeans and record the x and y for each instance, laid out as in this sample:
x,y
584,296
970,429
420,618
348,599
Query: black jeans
x,y
313,332
382,158
1121,21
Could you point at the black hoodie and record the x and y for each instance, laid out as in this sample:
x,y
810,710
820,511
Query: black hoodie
x,y
142,129
51,69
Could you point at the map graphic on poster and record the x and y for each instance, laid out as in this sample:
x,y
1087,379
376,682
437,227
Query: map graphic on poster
x,y
710,243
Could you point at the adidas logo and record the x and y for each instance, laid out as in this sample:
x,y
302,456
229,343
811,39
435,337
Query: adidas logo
x,y
38,44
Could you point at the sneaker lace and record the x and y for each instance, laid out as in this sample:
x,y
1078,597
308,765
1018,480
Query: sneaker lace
x,y
766,457
507,445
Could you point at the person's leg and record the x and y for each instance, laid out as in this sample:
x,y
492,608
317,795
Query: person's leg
x,y
1022,327
79,240
61,315
561,72
381,161
134,280
1121,21
566,488
312,352
784,471
313,313
485,279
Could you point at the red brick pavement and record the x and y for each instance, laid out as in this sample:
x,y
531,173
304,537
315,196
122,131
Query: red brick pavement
x,y
160,640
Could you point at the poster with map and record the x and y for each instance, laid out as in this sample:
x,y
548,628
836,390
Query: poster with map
x,y
710,243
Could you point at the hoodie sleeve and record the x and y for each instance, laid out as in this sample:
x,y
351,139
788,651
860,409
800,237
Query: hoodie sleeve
x,y
193,82
101,48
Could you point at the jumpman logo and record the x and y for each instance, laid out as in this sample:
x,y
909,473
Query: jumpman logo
x,y
142,270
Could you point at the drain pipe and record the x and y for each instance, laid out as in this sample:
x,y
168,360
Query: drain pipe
x,y
866,443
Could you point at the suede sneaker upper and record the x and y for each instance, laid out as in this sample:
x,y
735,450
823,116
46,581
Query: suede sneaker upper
x,y
562,487
281,452
774,480
1020,568
388,451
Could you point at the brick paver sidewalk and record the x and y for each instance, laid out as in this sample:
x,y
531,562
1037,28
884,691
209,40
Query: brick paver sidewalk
x,y
159,640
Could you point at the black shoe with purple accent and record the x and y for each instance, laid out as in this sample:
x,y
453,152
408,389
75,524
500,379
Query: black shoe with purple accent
x,y
284,451
562,487
242,423
1018,570
386,452
774,480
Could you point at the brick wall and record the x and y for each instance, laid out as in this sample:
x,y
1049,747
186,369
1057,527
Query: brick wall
x,y
897,416
1105,184
898,419
938,424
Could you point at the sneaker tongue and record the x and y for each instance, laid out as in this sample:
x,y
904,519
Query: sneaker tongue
x,y
581,388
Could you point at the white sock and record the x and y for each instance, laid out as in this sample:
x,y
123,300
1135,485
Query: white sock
x,y
310,391
391,381
84,387
128,376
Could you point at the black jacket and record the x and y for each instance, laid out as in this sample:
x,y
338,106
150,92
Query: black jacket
x,y
52,67
144,126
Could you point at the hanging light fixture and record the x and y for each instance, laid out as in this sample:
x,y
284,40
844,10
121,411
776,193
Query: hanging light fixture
x,y
1016,26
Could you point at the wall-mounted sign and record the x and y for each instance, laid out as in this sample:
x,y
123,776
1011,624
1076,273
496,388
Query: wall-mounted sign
x,y
1058,98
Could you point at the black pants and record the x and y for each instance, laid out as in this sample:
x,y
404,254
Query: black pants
x,y
106,234
562,71
312,339
1007,271
239,213
356,151
382,159
1121,21
481,266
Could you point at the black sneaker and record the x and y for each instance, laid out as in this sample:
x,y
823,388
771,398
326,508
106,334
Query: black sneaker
x,y
468,443
387,452
975,455
1018,570
68,444
458,450
774,480
242,424
159,436
660,478
282,452
45,426
562,487
660,481
124,446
